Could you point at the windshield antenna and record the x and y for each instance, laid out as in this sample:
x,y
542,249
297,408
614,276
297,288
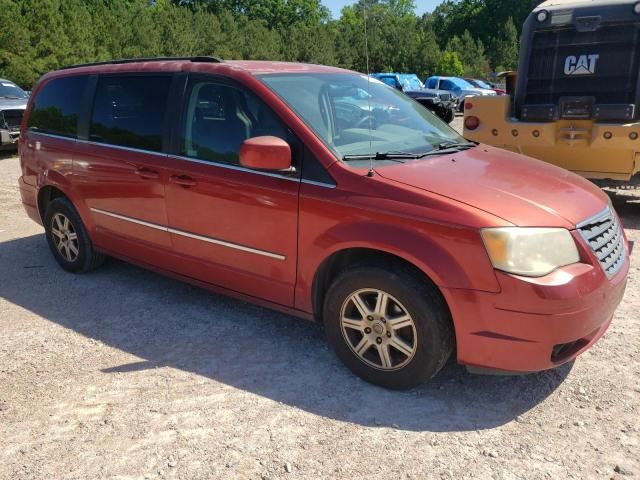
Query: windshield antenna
x,y
369,113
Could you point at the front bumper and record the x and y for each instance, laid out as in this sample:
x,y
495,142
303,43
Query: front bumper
x,y
535,324
9,139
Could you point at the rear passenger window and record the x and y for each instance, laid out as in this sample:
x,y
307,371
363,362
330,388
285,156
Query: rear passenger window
x,y
130,110
57,105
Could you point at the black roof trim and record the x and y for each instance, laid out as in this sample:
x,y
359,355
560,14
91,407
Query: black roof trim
x,y
156,59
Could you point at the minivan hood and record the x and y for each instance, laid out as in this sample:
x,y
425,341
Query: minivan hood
x,y
518,189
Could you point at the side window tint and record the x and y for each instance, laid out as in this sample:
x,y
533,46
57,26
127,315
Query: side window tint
x,y
218,118
57,105
433,83
447,85
130,110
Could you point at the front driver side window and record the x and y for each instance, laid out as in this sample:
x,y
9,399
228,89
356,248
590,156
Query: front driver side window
x,y
219,117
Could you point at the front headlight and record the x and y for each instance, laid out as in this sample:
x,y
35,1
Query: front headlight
x,y
532,252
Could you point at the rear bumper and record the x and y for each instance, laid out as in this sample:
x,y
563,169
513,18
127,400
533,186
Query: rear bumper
x,y
29,196
535,324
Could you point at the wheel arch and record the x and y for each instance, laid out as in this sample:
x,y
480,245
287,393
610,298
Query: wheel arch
x,y
342,259
45,195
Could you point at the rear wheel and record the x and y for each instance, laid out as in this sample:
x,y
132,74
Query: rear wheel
x,y
68,238
388,326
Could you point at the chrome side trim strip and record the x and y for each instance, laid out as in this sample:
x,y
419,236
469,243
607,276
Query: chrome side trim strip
x,y
235,246
182,233
129,219
108,145
318,184
52,135
234,167
122,147
188,159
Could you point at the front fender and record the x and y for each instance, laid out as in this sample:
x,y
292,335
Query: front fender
x,y
451,256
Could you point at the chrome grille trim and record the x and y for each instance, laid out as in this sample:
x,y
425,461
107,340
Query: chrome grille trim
x,y
603,233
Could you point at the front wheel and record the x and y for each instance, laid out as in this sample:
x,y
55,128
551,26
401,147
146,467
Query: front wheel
x,y
388,326
449,115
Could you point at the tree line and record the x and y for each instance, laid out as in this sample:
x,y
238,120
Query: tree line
x,y
461,37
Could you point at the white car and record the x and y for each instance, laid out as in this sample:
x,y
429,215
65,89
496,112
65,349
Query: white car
x,y
13,102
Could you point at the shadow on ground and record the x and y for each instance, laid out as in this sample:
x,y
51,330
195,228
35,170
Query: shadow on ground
x,y
4,154
168,323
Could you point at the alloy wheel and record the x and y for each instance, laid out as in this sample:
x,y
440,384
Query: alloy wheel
x,y
65,237
378,329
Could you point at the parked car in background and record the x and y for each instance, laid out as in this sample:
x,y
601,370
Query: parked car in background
x,y
440,102
404,240
13,102
355,108
486,85
458,87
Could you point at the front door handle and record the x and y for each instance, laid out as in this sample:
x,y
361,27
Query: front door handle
x,y
183,180
147,173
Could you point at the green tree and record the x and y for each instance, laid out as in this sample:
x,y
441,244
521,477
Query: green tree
x,y
471,53
505,47
16,51
450,65
481,18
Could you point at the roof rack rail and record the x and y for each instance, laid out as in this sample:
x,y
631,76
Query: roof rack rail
x,y
201,59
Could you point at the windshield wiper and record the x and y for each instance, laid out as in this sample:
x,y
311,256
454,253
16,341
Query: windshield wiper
x,y
9,97
441,149
456,145
393,156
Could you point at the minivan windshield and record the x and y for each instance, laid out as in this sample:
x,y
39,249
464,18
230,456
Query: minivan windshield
x,y
10,90
352,122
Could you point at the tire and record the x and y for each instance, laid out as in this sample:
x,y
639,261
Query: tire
x,y
449,115
428,334
76,254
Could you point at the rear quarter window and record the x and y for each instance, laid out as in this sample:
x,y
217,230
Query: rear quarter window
x,y
129,111
57,106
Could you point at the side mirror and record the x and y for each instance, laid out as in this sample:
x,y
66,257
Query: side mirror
x,y
265,153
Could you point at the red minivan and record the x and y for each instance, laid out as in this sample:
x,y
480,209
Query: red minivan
x,y
325,194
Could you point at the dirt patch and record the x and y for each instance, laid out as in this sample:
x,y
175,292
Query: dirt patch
x,y
126,374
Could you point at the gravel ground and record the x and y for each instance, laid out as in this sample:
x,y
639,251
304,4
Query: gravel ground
x,y
126,374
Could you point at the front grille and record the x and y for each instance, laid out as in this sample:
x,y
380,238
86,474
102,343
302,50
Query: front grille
x,y
11,119
614,78
445,96
604,235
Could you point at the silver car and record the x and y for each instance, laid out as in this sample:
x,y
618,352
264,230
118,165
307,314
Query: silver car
x,y
458,87
13,102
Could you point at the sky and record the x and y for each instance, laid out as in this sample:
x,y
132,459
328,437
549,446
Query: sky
x,y
421,5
